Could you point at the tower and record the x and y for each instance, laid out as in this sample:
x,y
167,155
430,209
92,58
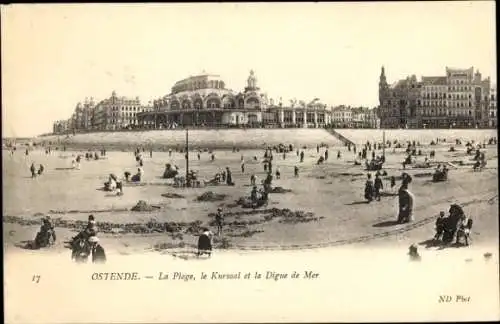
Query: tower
x,y
251,82
382,86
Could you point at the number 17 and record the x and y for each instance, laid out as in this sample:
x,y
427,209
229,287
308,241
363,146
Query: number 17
x,y
36,279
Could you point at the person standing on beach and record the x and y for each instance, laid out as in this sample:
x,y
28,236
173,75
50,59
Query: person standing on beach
x,y
378,186
229,177
219,221
253,180
33,170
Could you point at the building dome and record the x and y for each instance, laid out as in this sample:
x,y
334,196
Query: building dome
x,y
201,84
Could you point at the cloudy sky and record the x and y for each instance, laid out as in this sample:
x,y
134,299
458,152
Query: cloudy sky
x,y
56,55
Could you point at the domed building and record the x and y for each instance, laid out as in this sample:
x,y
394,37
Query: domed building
x,y
204,100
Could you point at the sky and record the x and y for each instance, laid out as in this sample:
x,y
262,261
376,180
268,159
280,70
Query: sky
x,y
54,56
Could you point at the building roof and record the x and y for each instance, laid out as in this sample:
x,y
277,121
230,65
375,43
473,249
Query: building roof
x,y
435,80
399,84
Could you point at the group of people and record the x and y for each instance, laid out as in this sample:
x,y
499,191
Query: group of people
x,y
455,226
86,244
441,173
34,171
372,188
83,245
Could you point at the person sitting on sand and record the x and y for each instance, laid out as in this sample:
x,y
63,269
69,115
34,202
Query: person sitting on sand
x,y
138,176
46,235
110,185
413,253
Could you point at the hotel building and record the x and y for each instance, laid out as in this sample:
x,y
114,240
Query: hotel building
x,y
461,99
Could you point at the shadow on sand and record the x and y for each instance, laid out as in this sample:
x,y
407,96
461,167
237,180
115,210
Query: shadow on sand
x,y
27,245
60,169
386,223
358,203
189,255
430,243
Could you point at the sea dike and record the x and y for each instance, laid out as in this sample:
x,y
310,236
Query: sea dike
x,y
222,276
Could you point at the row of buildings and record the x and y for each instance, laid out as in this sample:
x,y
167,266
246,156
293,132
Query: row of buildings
x,y
458,99
108,114
204,101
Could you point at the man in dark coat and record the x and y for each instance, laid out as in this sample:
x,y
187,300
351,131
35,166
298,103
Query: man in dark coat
x,y
369,188
98,253
33,170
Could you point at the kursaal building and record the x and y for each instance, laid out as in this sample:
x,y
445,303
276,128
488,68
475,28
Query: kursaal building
x,y
204,100
459,99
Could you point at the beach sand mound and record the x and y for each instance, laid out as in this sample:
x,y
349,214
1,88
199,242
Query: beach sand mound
x,y
143,206
211,196
280,190
172,195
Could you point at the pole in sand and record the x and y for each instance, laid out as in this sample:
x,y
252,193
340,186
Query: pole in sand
x,y
188,180
383,144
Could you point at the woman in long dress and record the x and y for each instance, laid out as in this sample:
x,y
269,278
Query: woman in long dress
x,y
406,205
205,242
